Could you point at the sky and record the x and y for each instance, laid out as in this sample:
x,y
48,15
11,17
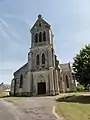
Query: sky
x,y
70,21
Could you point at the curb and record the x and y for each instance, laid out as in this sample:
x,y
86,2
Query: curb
x,y
56,115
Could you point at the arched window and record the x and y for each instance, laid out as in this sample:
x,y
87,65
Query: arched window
x,y
37,59
14,87
40,37
44,36
43,58
36,38
67,83
21,81
40,24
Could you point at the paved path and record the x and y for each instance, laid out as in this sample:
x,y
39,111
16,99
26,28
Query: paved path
x,y
37,108
33,108
8,111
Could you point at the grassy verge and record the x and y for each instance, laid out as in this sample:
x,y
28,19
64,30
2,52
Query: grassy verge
x,y
2,93
6,97
13,98
74,108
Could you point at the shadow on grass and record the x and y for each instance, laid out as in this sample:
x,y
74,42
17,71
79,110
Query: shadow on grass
x,y
78,99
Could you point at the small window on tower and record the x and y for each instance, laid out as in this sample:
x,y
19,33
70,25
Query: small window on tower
x,y
37,59
40,37
39,24
44,36
43,58
36,38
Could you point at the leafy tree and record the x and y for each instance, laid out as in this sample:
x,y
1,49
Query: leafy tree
x,y
81,65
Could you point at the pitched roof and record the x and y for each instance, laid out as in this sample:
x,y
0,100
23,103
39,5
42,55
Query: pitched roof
x,y
40,19
65,66
23,67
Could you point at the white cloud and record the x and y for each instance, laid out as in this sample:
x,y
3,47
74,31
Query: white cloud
x,y
12,32
5,35
11,16
3,30
17,17
15,36
3,23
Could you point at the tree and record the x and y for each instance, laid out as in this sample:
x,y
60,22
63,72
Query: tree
x,y
81,66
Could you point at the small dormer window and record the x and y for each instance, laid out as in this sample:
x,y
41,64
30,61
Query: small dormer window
x,y
40,24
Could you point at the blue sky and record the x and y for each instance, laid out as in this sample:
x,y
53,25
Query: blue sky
x,y
70,20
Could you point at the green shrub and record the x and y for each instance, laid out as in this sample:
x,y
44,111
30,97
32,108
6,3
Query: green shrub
x,y
80,88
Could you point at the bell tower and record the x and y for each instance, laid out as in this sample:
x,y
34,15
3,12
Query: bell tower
x,y
41,51
41,33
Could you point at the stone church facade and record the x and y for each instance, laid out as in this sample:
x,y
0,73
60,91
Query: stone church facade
x,y
42,74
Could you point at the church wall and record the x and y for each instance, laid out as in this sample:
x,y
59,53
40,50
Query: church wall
x,y
62,83
39,51
56,85
50,36
50,58
52,81
17,84
12,87
40,76
57,75
26,84
23,72
69,81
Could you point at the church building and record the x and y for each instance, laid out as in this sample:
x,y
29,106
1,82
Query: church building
x,y
42,74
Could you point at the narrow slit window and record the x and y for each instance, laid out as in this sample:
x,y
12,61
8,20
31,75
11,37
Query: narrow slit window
x,y
36,38
40,37
43,58
40,24
44,36
37,59
67,83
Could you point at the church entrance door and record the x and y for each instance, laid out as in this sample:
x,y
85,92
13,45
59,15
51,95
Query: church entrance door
x,y
42,88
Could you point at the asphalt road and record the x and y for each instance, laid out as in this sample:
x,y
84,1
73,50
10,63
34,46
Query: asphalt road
x,y
8,111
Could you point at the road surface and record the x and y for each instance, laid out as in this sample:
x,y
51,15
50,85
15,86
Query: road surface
x,y
8,111
33,108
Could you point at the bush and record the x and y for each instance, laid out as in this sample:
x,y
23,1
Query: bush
x,y
80,88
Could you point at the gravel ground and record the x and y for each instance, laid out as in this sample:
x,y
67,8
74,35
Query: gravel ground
x,y
9,111
36,108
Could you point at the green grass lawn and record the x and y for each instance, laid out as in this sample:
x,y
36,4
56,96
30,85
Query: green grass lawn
x,y
74,108
2,93
5,96
13,98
